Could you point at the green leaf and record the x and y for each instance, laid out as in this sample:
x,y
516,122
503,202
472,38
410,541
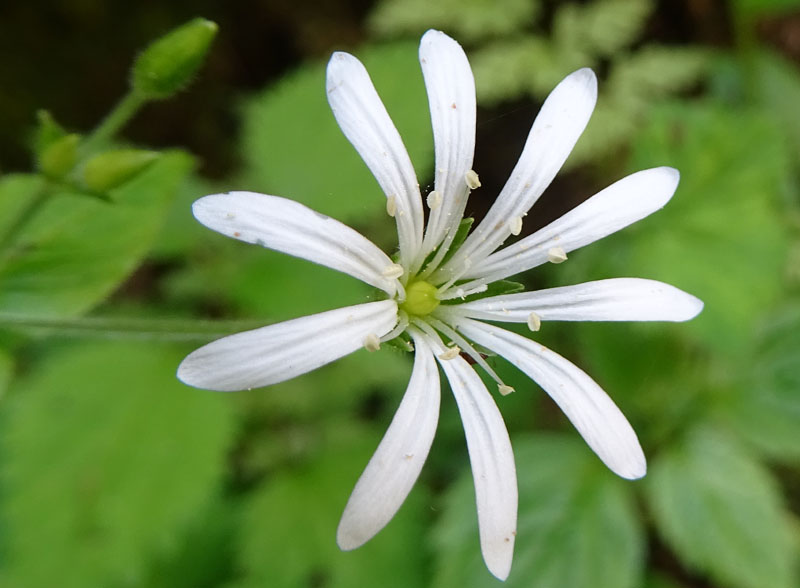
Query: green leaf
x,y
766,409
467,20
750,8
204,556
106,460
577,526
651,372
75,250
6,372
294,148
509,69
721,513
722,237
636,82
777,84
18,192
600,28
289,534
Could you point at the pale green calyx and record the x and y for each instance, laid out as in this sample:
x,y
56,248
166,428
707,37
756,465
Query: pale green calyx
x,y
420,299
168,64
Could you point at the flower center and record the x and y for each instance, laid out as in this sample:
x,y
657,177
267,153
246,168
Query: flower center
x,y
420,299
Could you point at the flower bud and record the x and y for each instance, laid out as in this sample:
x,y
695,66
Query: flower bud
x,y
168,64
58,158
106,171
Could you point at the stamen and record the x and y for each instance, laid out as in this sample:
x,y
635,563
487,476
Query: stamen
x,y
472,180
402,323
467,347
534,322
556,255
456,277
451,353
505,390
393,271
462,293
391,205
515,225
371,342
434,200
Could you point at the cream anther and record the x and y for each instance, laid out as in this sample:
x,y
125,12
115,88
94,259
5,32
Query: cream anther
x,y
515,225
505,390
472,179
534,322
434,200
451,353
393,271
556,255
391,205
372,342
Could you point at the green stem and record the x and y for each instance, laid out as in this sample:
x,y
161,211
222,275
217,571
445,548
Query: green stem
x,y
128,328
114,121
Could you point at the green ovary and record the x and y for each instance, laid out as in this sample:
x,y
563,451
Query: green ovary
x,y
420,299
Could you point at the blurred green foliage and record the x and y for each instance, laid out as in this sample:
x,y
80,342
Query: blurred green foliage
x,y
114,474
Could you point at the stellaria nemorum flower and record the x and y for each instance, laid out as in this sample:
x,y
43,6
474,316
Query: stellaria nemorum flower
x,y
437,293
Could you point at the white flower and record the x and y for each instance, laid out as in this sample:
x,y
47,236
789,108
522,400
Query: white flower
x,y
426,287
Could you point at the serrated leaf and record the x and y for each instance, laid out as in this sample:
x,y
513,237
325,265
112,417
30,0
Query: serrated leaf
x,y
766,409
509,69
289,535
467,20
77,249
600,28
577,523
635,84
294,148
107,458
721,513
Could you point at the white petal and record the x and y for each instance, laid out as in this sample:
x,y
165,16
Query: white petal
x,y
365,122
282,351
289,227
624,202
492,461
593,413
622,299
555,131
395,466
451,96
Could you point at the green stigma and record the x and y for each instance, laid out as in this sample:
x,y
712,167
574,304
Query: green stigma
x,y
420,299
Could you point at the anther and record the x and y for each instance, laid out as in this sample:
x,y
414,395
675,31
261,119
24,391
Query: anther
x,y
391,205
556,255
472,179
372,342
451,353
393,271
434,200
534,322
505,390
515,225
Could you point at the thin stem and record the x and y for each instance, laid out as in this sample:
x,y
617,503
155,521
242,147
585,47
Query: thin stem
x,y
128,328
113,122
